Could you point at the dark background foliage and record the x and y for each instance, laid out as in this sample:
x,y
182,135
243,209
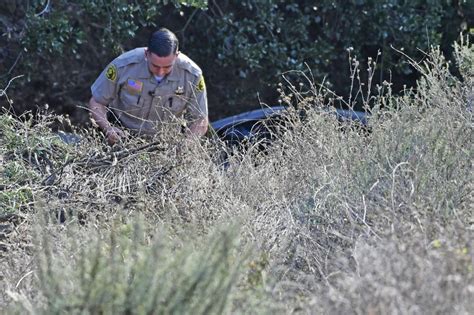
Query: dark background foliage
x,y
243,47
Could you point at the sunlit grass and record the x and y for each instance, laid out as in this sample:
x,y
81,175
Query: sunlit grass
x,y
329,218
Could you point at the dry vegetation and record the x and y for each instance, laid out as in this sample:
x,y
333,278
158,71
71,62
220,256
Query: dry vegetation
x,y
329,219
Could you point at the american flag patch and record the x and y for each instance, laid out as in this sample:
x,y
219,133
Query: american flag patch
x,y
135,86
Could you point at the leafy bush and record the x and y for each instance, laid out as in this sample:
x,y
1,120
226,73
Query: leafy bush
x,y
243,47
75,40
127,270
30,152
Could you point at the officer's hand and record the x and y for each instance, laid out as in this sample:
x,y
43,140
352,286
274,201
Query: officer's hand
x,y
114,134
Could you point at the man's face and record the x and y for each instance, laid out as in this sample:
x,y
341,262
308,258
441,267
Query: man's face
x,y
160,66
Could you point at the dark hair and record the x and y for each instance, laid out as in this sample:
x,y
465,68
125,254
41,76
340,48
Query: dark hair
x,y
163,43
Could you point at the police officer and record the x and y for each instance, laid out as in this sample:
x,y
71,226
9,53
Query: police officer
x,y
148,88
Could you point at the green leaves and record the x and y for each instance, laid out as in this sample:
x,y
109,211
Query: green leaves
x,y
129,271
243,47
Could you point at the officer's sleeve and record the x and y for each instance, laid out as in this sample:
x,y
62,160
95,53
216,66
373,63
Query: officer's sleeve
x,y
197,109
104,89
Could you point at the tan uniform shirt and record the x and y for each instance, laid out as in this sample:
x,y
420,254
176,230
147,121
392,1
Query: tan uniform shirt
x,y
141,103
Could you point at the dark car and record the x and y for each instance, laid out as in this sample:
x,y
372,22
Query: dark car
x,y
260,123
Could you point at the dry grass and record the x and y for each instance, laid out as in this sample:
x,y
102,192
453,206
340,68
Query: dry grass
x,y
328,219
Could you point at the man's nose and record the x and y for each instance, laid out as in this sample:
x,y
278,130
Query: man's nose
x,y
161,72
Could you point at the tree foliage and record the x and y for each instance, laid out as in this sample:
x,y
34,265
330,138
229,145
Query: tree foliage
x,y
243,47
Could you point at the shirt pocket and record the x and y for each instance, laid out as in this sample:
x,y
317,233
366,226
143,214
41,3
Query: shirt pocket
x,y
131,103
175,104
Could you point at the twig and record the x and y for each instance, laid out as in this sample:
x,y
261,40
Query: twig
x,y
189,21
45,10
16,61
3,92
11,217
26,275
218,8
51,177
413,63
394,182
112,158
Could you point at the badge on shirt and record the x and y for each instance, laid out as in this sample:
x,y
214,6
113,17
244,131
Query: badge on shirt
x,y
179,90
111,73
134,86
201,84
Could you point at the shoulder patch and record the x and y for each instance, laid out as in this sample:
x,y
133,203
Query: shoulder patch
x,y
111,73
201,86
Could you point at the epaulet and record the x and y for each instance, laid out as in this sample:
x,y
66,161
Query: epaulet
x,y
187,64
130,57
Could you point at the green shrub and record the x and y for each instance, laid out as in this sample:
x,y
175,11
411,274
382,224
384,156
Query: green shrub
x,y
29,153
128,271
243,47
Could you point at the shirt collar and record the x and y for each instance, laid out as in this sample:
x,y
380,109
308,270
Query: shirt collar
x,y
145,72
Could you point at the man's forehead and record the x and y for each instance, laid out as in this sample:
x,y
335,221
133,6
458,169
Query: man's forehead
x,y
157,59
162,64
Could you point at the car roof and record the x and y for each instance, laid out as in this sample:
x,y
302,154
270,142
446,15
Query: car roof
x,y
262,113
256,114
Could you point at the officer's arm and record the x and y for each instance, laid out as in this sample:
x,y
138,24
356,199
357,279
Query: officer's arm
x,y
104,90
199,113
98,113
